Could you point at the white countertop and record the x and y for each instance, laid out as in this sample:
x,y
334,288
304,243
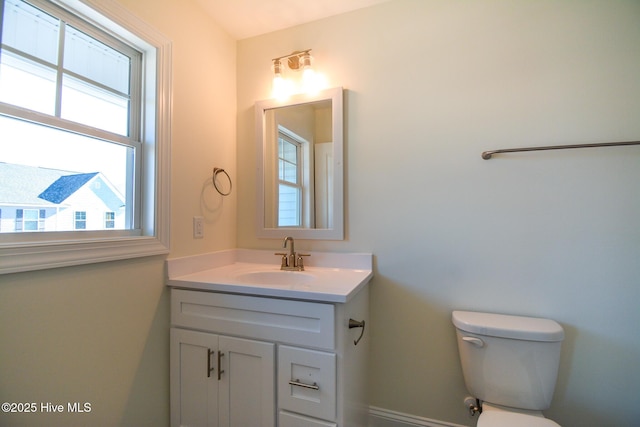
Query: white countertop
x,y
328,277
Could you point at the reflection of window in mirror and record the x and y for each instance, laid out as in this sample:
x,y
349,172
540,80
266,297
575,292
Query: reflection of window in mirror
x,y
295,182
289,180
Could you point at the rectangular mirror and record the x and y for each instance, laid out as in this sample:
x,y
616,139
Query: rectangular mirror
x,y
300,166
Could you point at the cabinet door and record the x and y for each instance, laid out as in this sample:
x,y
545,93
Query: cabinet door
x,y
194,385
247,386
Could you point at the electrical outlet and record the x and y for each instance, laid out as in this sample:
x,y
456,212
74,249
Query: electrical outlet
x,y
198,227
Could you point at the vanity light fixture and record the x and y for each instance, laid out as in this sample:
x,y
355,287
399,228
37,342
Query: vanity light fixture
x,y
281,87
312,82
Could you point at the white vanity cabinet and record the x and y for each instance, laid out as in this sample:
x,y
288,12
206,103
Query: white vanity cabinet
x,y
251,361
223,381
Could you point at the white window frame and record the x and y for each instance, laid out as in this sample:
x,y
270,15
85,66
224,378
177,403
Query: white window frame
x,y
290,138
36,251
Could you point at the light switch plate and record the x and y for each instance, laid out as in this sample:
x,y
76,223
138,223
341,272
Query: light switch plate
x,y
198,227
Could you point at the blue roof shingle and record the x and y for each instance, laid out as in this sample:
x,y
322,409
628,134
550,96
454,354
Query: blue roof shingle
x,y
65,186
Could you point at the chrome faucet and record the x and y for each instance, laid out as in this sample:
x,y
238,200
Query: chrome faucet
x,y
291,260
291,256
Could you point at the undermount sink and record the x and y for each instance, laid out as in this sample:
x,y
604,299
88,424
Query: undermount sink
x,y
275,277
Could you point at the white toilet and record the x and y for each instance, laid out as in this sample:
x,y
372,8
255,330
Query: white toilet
x,y
510,363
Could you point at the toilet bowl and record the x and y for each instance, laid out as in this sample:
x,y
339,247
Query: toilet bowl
x,y
510,364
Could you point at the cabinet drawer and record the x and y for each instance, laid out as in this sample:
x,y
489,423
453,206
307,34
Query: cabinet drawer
x,y
286,419
286,321
307,382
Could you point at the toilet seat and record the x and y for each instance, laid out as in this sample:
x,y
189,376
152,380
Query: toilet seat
x,y
513,419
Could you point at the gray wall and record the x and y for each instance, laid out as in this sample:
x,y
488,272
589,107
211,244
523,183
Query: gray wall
x,y
432,84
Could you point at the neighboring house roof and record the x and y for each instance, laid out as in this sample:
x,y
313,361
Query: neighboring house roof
x,y
35,186
65,186
23,184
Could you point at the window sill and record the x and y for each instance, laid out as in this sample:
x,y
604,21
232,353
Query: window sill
x,y
19,258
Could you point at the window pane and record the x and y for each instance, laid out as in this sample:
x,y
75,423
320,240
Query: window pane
x,y
288,151
62,173
92,106
30,220
289,201
289,172
287,165
27,84
90,58
31,30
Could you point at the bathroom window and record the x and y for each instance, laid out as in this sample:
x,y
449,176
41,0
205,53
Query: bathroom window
x,y
77,138
88,89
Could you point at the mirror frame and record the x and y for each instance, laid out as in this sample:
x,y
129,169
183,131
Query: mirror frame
x,y
337,232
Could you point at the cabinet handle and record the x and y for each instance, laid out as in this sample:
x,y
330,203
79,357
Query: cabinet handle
x,y
220,371
297,383
209,368
357,324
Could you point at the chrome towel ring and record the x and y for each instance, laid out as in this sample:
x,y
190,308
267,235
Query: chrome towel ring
x,y
217,171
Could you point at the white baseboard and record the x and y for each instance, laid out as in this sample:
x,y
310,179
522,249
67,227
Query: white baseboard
x,y
379,417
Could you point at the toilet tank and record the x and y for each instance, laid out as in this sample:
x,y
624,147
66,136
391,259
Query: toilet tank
x,y
509,360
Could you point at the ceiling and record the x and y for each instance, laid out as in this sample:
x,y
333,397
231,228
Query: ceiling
x,y
248,18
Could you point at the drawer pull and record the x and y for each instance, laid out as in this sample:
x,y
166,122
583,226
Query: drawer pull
x,y
297,383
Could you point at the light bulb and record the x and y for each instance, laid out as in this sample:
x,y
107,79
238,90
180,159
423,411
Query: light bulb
x,y
308,75
309,80
277,90
280,87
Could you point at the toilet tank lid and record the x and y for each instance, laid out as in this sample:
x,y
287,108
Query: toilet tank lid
x,y
507,326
